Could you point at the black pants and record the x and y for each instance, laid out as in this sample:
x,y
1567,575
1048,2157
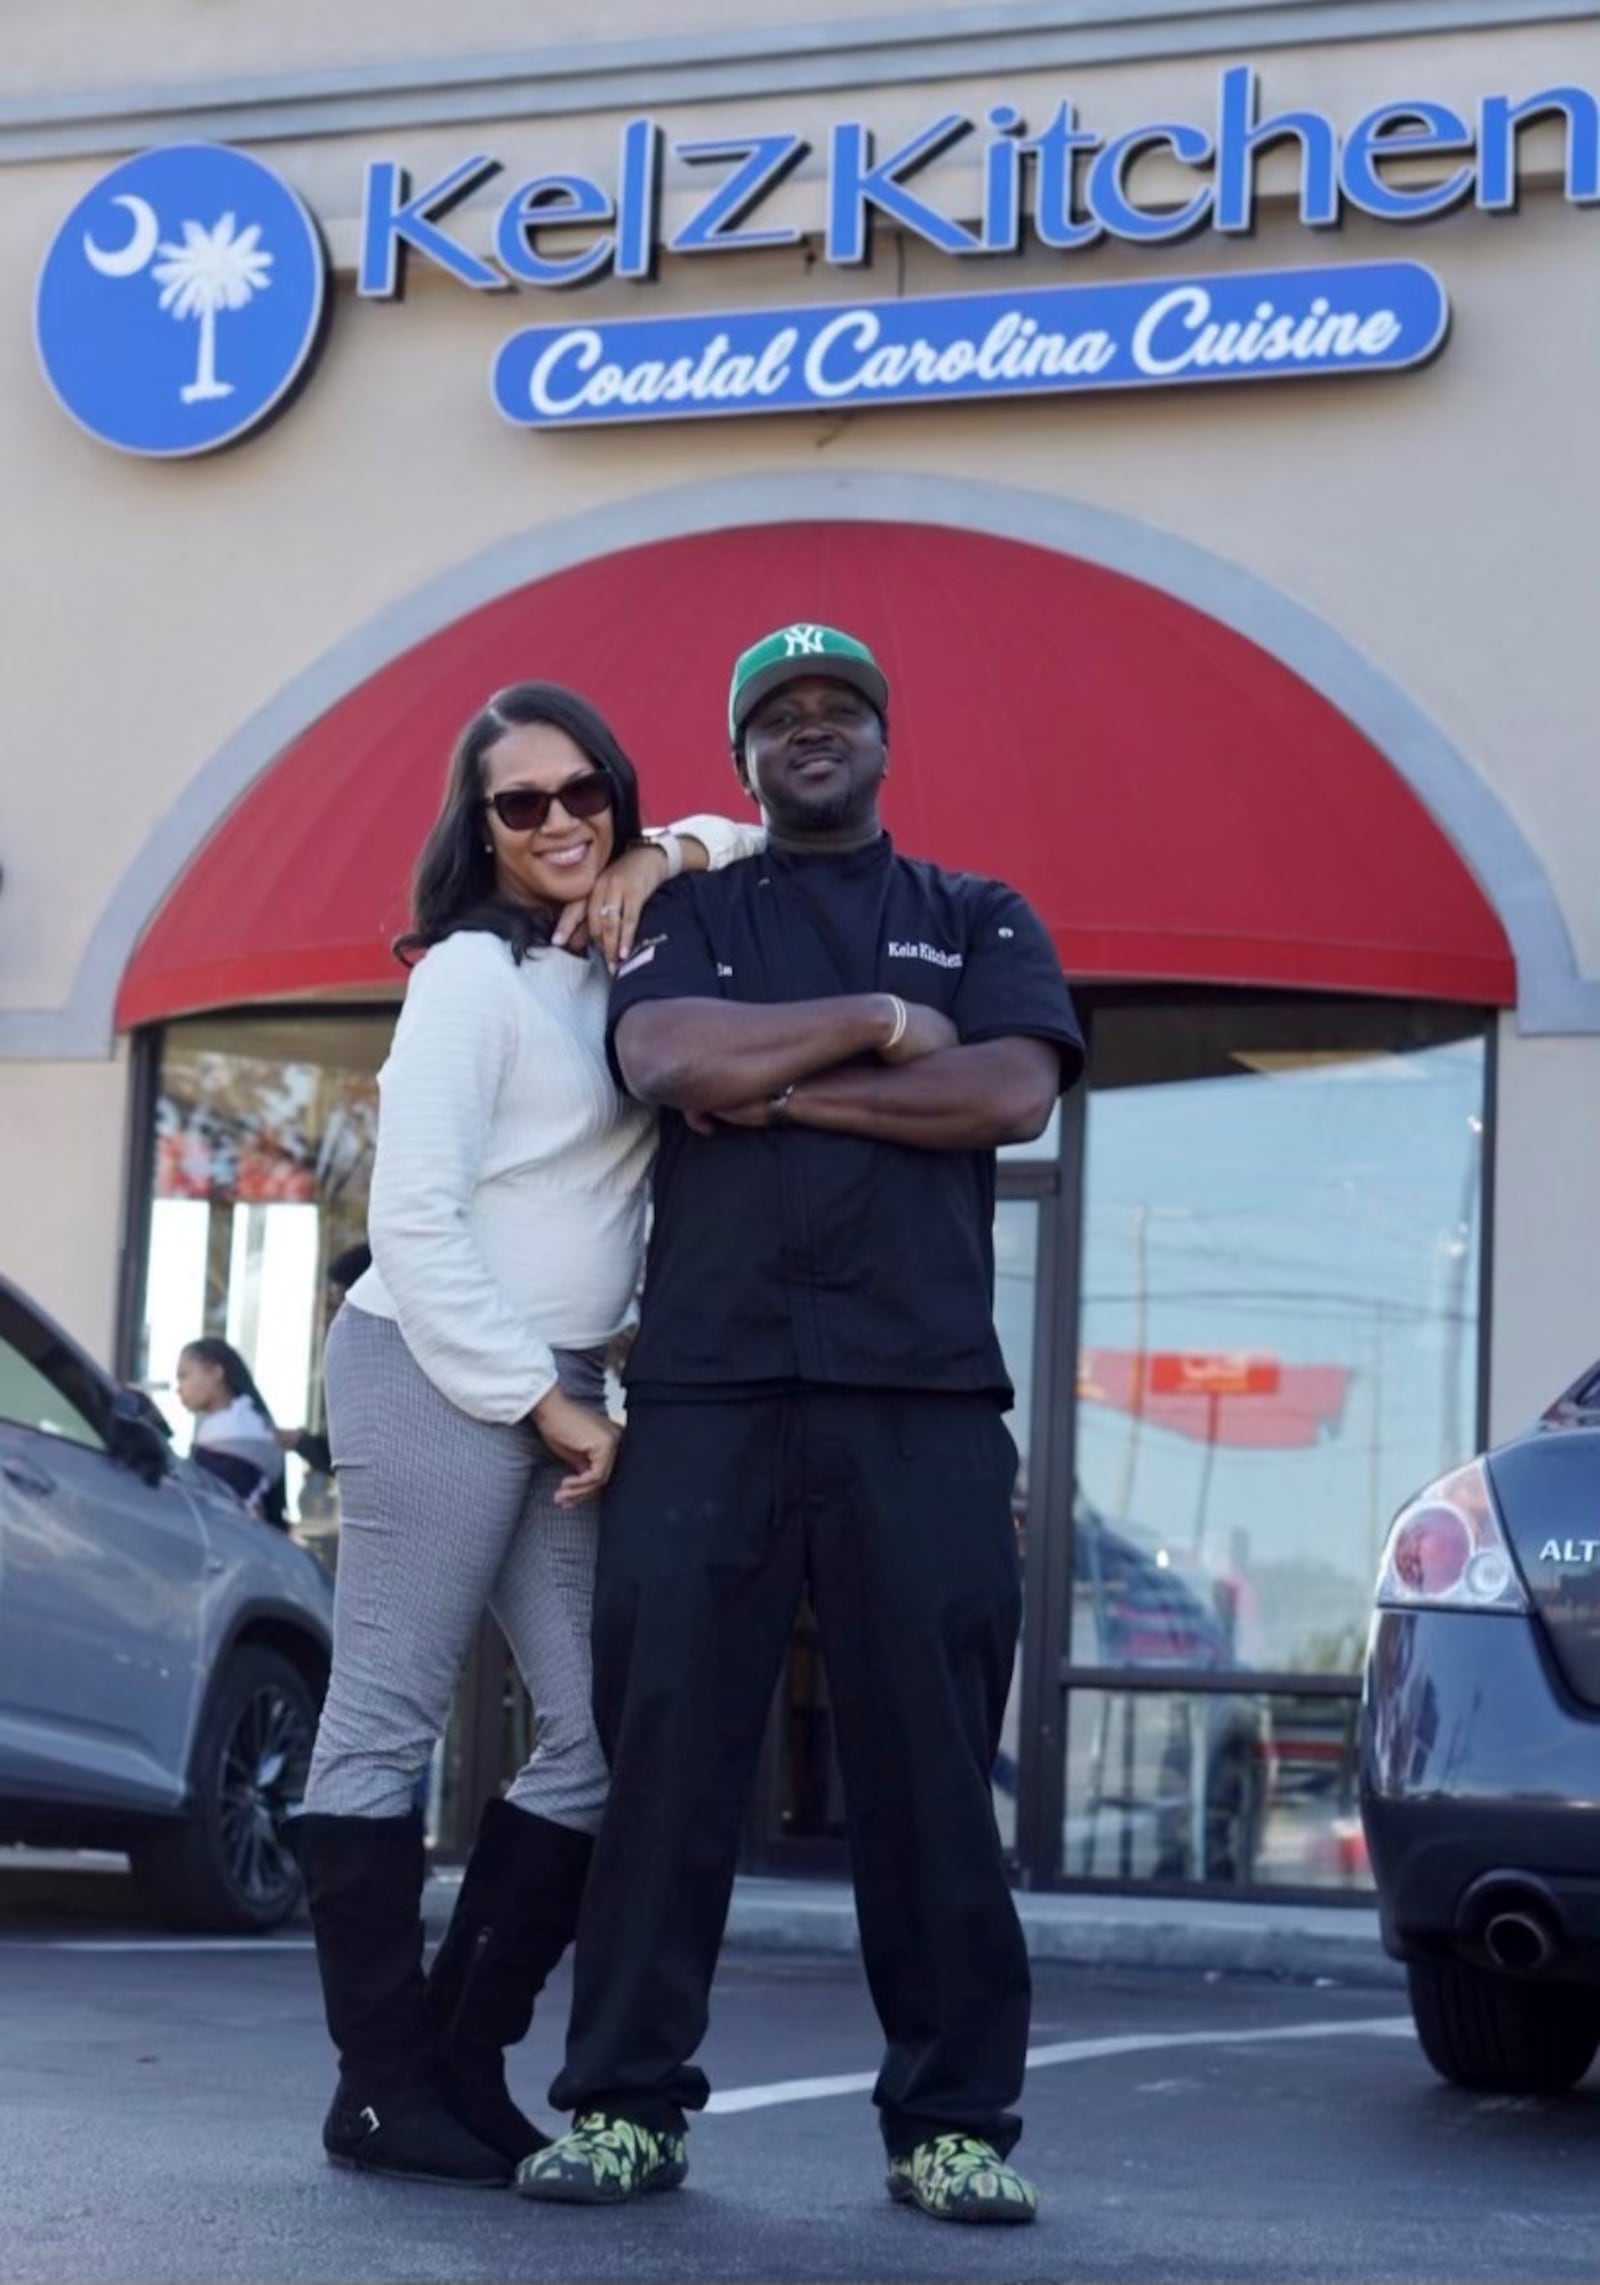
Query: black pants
x,y
896,1509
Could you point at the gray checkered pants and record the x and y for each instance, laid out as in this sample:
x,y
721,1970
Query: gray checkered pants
x,y
441,1516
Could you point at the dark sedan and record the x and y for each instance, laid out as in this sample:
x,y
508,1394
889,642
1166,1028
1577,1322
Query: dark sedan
x,y
1480,1756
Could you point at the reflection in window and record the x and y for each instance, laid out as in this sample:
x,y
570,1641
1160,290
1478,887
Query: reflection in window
x,y
1234,1787
1016,1255
29,1400
265,1129
1280,1321
1045,1146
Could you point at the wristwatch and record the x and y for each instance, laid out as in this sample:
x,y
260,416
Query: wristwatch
x,y
663,838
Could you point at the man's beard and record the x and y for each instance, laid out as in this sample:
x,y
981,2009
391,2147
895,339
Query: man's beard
x,y
845,806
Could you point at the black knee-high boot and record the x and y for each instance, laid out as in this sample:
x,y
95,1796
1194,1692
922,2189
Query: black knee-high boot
x,y
515,1916
363,1880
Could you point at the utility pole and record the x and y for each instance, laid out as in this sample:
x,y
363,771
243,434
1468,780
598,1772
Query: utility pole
x,y
1453,1439
1378,1521
1141,1267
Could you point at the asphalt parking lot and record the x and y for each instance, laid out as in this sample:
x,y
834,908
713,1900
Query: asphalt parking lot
x,y
162,2096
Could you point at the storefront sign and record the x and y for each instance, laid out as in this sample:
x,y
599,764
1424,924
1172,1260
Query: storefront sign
x,y
1255,1402
180,301
1060,183
1368,317
1211,1373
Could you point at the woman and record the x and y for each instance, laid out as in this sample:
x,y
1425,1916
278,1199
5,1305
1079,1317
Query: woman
x,y
465,1382
235,1437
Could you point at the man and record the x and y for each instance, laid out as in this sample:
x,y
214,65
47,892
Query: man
x,y
839,1037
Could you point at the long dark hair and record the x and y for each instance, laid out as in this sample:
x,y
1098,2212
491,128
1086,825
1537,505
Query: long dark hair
x,y
453,886
236,1374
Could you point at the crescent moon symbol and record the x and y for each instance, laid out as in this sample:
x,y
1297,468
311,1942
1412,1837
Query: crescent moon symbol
x,y
123,261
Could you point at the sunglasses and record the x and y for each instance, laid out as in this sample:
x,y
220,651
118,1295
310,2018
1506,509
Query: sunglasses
x,y
525,808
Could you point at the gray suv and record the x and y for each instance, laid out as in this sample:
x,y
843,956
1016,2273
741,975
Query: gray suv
x,y
163,1653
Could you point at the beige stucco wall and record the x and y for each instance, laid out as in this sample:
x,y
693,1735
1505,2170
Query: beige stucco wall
x,y
124,44
1442,522
62,1138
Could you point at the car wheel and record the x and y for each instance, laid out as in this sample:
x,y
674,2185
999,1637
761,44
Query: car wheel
x,y
226,1866
1233,1817
1497,2036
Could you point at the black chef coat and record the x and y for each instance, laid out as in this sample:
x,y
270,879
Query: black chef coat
x,y
785,1257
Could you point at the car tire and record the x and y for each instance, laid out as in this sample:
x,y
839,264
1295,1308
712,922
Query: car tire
x,y
1233,1816
225,1867
1497,2036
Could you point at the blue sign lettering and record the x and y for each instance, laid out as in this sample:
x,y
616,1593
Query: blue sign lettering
x,y
1500,121
1070,185
1405,131
394,222
547,201
764,162
248,267
1057,148
638,199
858,185
1110,199
1242,137
1261,325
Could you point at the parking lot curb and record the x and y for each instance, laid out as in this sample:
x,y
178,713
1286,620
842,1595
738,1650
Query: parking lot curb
x,y
1297,1942
1300,1943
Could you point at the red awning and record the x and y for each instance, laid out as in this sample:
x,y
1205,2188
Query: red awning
x,y
1174,802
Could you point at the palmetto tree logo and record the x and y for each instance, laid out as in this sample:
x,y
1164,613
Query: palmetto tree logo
x,y
124,276
213,270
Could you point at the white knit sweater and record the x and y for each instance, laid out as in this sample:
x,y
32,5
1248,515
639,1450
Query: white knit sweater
x,y
508,1193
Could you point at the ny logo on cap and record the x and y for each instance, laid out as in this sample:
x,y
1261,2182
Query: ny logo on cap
x,y
803,642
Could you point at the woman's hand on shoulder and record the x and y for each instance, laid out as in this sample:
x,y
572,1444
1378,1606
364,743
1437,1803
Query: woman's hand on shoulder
x,y
609,916
586,1440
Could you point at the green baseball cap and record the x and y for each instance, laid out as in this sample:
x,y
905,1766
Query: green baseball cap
x,y
794,654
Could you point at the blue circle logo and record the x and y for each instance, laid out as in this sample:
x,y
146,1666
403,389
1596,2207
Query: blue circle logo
x,y
180,300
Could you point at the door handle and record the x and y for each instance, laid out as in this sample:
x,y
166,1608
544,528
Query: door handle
x,y
26,1477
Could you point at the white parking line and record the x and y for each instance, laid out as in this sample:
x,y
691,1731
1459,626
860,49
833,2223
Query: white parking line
x,y
159,1944
780,2091
1072,2051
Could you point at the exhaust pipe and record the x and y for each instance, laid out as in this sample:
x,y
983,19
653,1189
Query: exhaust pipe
x,y
1522,1943
1513,1921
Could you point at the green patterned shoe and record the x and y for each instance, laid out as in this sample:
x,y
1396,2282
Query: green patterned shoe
x,y
957,2178
603,2161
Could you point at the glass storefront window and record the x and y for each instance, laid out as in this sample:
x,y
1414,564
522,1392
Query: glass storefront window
x,y
264,1133
265,1126
1280,1309
1278,1343
1016,1278
1237,1787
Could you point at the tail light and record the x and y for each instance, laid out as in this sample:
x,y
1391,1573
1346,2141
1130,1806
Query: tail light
x,y
1446,1550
